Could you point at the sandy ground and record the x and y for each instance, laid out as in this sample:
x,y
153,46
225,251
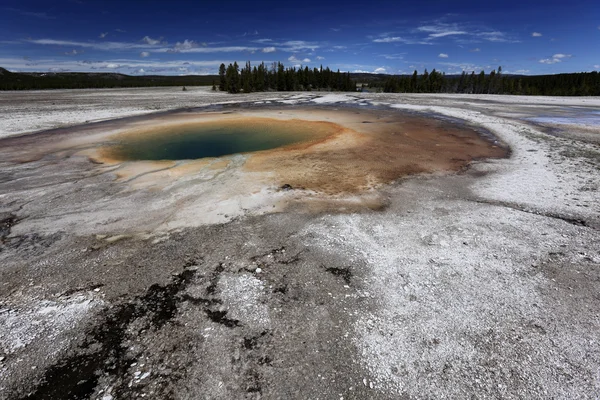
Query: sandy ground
x,y
478,284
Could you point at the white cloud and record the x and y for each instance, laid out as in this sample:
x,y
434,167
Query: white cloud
x,y
379,71
108,46
144,54
399,39
448,33
536,34
150,41
555,58
441,30
187,49
184,46
597,66
291,46
390,40
293,59
393,56
443,55
103,35
496,36
73,52
112,65
306,60
459,67
475,50
269,49
320,58
297,45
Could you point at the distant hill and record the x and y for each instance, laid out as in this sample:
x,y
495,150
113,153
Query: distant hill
x,y
79,80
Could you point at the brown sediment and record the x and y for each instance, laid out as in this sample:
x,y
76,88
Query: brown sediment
x,y
365,155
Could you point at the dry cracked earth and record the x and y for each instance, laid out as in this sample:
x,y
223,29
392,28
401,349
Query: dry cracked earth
x,y
477,283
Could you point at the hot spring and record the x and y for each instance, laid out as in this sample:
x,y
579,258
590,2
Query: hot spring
x,y
215,138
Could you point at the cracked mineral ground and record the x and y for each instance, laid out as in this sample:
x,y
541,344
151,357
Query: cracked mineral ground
x,y
407,247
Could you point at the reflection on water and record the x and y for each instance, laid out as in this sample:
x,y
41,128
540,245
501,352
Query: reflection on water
x,y
583,117
215,139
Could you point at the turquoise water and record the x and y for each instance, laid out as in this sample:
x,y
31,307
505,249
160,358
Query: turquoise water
x,y
212,140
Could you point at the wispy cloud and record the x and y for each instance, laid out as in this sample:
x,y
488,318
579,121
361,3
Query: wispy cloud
x,y
555,58
475,50
270,49
108,46
536,34
103,35
398,39
144,54
150,41
40,15
443,55
320,58
393,56
460,67
250,33
147,44
291,46
73,52
496,36
441,30
204,50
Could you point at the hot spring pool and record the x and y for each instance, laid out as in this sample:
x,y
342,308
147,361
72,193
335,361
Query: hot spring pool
x,y
215,138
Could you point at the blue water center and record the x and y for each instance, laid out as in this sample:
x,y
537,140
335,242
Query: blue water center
x,y
216,138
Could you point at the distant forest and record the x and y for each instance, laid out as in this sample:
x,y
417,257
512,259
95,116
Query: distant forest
x,y
277,77
83,80
261,78
577,84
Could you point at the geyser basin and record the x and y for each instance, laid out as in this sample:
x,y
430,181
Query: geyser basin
x,y
325,151
215,138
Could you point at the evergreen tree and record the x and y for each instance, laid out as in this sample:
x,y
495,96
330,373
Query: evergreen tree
x,y
222,80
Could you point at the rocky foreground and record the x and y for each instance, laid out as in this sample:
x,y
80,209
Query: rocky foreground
x,y
483,283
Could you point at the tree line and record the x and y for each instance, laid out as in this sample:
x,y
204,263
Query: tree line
x,y
276,77
84,80
573,84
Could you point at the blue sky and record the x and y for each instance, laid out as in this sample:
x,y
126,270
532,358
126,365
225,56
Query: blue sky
x,y
195,37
